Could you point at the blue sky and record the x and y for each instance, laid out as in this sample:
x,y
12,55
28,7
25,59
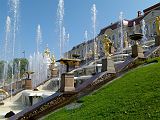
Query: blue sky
x,y
77,19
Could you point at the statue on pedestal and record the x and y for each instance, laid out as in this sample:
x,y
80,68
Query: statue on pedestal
x,y
53,60
107,63
126,44
46,52
53,66
106,45
47,56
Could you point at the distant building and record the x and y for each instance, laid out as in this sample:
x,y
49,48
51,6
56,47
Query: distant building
x,y
86,49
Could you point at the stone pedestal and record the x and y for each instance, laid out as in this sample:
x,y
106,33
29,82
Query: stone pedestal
x,y
28,84
53,70
108,65
157,40
67,82
137,51
76,65
54,73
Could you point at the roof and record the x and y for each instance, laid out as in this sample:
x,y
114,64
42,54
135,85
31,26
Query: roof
x,y
112,26
81,44
136,20
154,7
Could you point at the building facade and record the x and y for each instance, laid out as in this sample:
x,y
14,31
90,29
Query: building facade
x,y
119,32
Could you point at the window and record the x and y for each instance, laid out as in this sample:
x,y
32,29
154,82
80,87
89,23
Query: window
x,y
152,14
140,30
154,25
113,37
119,35
146,27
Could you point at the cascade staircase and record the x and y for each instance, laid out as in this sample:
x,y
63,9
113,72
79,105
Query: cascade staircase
x,y
59,100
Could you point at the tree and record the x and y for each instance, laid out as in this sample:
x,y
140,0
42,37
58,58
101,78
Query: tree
x,y
20,65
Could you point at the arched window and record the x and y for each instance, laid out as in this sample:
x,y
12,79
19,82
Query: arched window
x,y
146,26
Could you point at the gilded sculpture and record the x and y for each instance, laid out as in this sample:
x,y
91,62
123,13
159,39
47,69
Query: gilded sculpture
x,y
47,52
106,44
158,25
125,40
53,60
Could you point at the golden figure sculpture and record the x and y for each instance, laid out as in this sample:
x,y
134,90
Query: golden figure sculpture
x,y
47,52
4,92
53,60
125,40
106,44
158,25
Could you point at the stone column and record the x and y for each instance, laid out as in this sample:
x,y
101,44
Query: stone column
x,y
67,82
137,51
157,40
108,65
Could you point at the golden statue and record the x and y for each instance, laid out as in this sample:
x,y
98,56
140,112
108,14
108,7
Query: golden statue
x,y
53,60
47,52
4,92
158,25
106,45
125,40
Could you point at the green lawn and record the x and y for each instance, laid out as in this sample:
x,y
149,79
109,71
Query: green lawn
x,y
135,96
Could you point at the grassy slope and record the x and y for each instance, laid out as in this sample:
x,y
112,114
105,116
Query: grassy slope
x,y
134,96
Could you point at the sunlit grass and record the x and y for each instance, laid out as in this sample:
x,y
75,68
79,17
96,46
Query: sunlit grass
x,y
134,96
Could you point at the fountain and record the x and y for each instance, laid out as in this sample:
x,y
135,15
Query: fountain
x,y
143,31
121,32
38,63
6,48
63,39
60,16
14,10
137,50
38,38
67,44
134,27
94,14
86,49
